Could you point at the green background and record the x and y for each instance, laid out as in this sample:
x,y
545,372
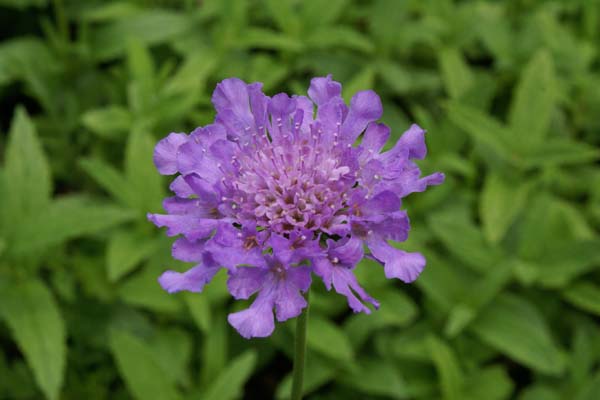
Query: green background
x,y
508,305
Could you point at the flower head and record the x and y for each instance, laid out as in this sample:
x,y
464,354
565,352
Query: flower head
x,y
272,191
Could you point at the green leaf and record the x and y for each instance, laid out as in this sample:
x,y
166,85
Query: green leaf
x,y
539,392
492,383
516,328
110,122
397,310
585,295
262,38
480,294
456,74
330,37
228,385
462,238
145,181
534,101
110,179
151,26
27,181
31,313
284,16
142,87
199,307
500,203
317,372
125,250
142,290
327,339
376,377
66,218
448,369
590,390
483,129
19,55
363,80
172,350
313,12
214,350
144,377
22,4
554,152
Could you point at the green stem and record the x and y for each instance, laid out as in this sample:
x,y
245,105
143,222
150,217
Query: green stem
x,y
300,352
61,19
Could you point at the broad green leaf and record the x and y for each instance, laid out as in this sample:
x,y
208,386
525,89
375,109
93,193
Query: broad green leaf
x,y
215,348
125,250
313,12
483,129
585,295
317,372
456,74
492,383
151,26
397,78
590,390
480,294
32,314
22,4
110,122
442,284
27,182
199,307
21,54
145,181
539,392
500,203
516,328
363,80
228,385
376,377
327,339
330,37
142,290
172,350
449,372
396,310
268,39
462,238
553,152
110,179
144,377
66,218
534,101
142,87
284,16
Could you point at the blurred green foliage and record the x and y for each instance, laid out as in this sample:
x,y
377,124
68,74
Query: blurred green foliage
x,y
508,305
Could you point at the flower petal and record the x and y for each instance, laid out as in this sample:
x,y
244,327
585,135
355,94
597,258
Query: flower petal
x,y
323,89
165,153
243,282
365,107
193,228
414,140
256,321
375,137
193,280
397,263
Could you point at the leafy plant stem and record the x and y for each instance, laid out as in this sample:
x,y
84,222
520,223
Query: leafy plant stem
x,y
300,352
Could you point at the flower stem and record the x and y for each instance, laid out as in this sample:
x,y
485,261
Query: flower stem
x,y
300,352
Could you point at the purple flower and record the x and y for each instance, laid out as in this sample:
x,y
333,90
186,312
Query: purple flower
x,y
272,192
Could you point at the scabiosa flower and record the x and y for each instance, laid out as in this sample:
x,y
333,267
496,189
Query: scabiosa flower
x,y
273,192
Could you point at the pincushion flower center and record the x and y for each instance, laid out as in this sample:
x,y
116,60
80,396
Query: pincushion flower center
x,y
290,185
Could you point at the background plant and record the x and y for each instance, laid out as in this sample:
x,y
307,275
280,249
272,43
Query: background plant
x,y
508,305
